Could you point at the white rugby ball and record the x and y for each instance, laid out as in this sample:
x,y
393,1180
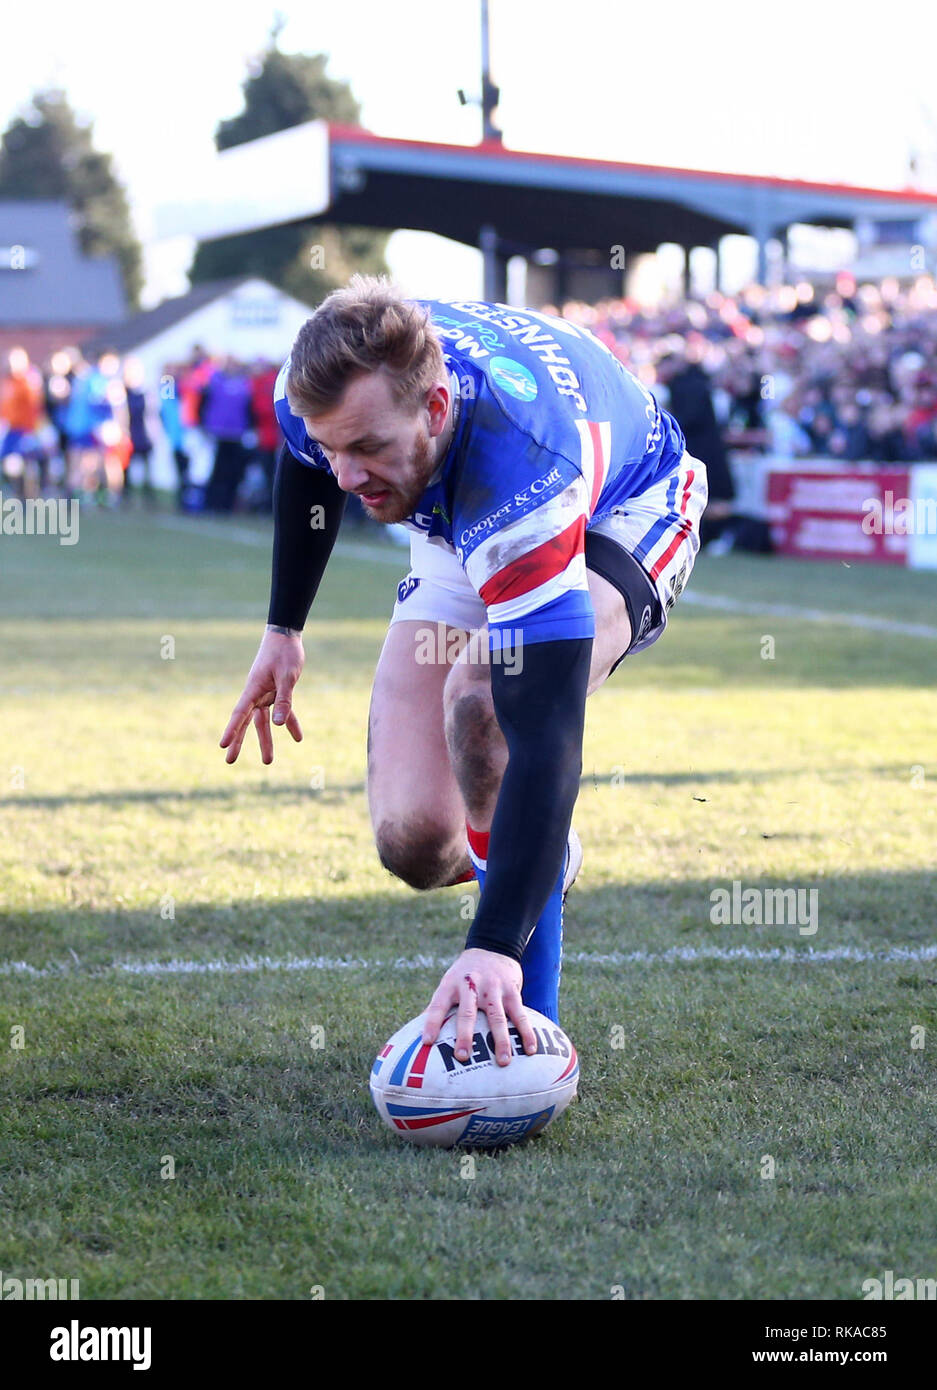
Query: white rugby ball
x,y
426,1096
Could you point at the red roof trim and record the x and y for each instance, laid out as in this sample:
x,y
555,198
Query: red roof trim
x,y
357,135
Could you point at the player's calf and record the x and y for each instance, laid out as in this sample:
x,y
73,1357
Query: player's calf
x,y
476,745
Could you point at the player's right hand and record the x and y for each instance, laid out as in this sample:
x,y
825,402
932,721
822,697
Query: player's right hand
x,y
482,980
276,669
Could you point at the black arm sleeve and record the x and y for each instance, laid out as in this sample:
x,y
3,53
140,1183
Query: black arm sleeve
x,y
541,712
301,547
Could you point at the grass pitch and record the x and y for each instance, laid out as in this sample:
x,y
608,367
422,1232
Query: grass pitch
x,y
204,1130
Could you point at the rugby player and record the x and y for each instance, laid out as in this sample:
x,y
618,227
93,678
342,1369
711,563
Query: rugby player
x,y
555,517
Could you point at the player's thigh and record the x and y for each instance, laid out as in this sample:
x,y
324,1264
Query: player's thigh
x,y
612,639
410,778
612,629
632,597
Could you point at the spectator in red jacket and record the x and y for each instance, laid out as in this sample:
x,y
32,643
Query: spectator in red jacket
x,y
919,421
266,427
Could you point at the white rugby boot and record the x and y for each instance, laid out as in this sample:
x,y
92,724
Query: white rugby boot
x,y
573,861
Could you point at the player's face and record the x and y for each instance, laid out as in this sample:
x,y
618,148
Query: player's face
x,y
381,452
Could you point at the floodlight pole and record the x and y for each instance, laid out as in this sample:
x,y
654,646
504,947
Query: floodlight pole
x,y
490,93
495,286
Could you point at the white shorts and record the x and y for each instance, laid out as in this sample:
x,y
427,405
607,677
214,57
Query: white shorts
x,y
656,535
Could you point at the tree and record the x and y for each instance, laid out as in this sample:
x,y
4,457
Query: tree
x,y
47,153
306,259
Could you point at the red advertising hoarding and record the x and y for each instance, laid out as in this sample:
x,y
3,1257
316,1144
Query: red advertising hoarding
x,y
833,516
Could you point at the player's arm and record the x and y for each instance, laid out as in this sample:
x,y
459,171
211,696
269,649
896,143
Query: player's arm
x,y
307,511
540,708
308,505
529,570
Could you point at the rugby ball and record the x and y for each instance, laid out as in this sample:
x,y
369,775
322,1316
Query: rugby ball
x,y
426,1096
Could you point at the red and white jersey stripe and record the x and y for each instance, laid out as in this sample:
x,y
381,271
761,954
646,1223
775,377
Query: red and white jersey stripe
x,y
532,561
595,438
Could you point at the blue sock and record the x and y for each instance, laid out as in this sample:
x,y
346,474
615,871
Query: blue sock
x,y
542,961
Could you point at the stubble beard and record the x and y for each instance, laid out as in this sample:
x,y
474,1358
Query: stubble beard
x,y
403,497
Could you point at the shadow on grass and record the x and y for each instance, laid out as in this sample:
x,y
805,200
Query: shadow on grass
x,y
333,793
402,931
290,792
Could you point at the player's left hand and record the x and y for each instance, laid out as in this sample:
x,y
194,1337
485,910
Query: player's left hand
x,y
482,980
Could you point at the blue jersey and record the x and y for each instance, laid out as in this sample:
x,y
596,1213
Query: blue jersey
x,y
553,432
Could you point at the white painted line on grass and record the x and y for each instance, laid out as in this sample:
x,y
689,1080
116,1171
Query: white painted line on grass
x,y
398,557
866,621
242,535
723,603
784,955
245,965
216,531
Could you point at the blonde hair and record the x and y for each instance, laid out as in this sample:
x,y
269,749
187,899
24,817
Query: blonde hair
x,y
362,328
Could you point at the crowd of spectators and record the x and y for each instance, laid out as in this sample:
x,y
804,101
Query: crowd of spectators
x,y
849,373
85,428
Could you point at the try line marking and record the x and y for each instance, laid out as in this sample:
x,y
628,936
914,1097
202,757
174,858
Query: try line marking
x,y
398,556
808,615
351,550
245,965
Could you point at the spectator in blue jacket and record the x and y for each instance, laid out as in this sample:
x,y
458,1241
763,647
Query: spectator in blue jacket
x,y
226,414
